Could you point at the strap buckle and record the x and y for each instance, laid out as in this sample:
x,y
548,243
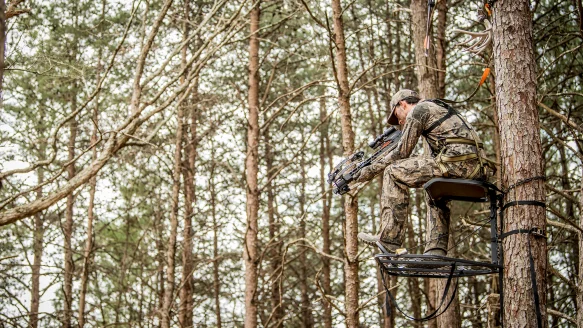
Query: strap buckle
x,y
537,232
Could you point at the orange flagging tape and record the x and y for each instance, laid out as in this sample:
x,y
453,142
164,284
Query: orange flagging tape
x,y
484,76
488,10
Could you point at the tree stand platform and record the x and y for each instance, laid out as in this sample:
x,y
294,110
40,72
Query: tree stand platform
x,y
432,266
440,191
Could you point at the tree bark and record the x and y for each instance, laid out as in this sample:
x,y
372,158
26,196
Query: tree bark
x,y
274,254
38,252
171,246
2,46
160,290
429,79
326,199
306,308
521,155
185,316
250,251
425,66
87,253
452,317
351,203
580,273
413,283
68,229
441,46
216,261
431,82
87,256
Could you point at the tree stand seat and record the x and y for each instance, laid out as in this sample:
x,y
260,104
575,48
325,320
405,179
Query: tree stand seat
x,y
444,189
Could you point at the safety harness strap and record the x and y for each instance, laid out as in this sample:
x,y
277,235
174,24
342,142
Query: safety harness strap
x,y
537,232
523,202
463,141
450,113
441,159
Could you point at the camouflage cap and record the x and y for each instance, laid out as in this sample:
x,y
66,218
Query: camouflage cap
x,y
400,95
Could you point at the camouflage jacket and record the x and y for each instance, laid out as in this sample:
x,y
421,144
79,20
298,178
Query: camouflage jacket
x,y
420,119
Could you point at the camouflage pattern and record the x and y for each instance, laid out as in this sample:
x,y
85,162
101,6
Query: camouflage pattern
x,y
401,173
413,173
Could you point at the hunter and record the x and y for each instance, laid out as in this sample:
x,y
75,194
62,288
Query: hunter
x,y
456,153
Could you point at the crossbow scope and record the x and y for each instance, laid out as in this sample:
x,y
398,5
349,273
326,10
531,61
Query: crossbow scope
x,y
343,173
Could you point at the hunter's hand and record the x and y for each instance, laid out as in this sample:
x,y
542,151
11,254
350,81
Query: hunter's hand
x,y
364,175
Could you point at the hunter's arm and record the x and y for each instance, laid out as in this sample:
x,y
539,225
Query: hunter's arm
x,y
410,135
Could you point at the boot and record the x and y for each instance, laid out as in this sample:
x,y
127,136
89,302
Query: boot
x,y
372,241
419,263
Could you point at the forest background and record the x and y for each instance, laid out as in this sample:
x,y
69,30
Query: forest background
x,y
163,162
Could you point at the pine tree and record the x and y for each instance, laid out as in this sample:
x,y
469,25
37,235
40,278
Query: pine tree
x,y
522,160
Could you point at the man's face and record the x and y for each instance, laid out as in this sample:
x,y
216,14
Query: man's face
x,y
401,113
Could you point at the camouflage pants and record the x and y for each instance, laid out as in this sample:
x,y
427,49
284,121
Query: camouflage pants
x,y
413,173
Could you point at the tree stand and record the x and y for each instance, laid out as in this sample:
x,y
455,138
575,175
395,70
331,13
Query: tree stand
x,y
433,266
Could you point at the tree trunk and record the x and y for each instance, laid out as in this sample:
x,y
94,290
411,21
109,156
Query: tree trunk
x,y
185,315
171,246
413,283
326,199
521,159
580,273
216,261
450,318
68,228
160,290
87,253
274,253
188,172
429,81
441,46
496,137
250,251
306,308
565,184
38,252
87,256
426,66
122,271
2,45
351,203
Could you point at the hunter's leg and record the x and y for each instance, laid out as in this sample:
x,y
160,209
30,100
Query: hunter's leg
x,y
438,222
398,177
437,227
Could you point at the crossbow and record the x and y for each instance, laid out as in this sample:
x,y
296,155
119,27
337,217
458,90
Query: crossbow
x,y
343,174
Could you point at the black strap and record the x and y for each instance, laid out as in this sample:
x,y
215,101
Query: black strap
x,y
539,233
539,319
390,298
524,181
532,231
450,112
523,202
437,123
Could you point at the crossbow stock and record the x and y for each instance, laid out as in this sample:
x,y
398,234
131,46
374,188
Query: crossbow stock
x,y
342,176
